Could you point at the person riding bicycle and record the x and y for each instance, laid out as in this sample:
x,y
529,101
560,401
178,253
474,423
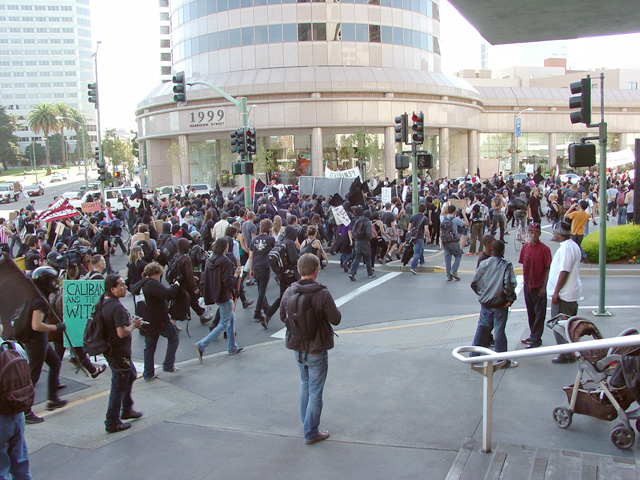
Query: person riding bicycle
x,y
519,208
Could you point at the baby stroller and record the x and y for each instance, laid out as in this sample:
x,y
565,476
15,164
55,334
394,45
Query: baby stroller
x,y
594,392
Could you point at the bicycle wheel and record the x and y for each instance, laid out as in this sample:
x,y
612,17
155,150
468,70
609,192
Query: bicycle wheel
x,y
517,242
126,236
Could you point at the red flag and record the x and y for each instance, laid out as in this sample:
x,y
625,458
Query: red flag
x,y
58,211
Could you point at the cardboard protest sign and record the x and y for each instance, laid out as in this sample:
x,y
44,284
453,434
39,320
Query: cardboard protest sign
x,y
386,195
340,215
91,207
79,298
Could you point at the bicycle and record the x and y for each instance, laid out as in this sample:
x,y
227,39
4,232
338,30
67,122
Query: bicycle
x,y
522,233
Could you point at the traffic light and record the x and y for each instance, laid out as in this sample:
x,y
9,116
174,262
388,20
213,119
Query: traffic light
x,y
401,128
251,141
424,160
402,161
582,154
116,174
93,93
238,142
418,127
242,168
96,155
102,172
582,101
179,88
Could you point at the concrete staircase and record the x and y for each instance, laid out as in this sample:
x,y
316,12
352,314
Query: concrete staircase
x,y
521,462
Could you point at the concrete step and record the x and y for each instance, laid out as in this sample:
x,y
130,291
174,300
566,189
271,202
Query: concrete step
x,y
522,462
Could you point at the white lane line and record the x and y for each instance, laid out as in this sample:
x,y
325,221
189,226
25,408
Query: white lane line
x,y
520,280
586,307
351,295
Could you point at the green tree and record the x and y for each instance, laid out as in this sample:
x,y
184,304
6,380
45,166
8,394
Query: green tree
x,y
64,121
42,119
345,151
55,144
365,146
135,148
118,151
8,141
78,122
40,151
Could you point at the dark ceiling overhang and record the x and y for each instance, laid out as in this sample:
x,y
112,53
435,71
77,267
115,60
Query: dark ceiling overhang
x,y
518,21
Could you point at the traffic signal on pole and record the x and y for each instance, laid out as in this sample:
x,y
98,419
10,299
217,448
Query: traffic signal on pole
x,y
251,141
93,93
424,160
582,154
401,128
102,172
581,101
242,168
238,142
402,161
418,127
179,88
116,174
96,155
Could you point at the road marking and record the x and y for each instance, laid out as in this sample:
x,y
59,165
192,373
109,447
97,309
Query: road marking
x,y
520,280
351,295
586,307
396,327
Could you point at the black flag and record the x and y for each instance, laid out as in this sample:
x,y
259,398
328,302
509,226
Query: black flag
x,y
336,200
21,289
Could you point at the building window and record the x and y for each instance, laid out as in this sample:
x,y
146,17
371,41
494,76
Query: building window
x,y
165,70
319,32
165,57
165,44
164,30
633,85
304,32
374,33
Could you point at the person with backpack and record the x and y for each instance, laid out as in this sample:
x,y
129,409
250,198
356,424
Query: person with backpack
x,y
259,268
98,266
102,244
290,273
116,233
478,216
309,311
187,281
33,332
218,281
314,246
13,447
361,232
135,267
418,230
449,224
118,327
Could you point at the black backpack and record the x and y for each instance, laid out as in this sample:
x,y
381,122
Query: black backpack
x,y
94,340
169,249
447,232
358,230
16,390
21,322
278,258
416,228
147,254
302,320
174,272
307,247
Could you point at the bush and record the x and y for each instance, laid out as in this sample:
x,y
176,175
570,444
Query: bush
x,y
622,242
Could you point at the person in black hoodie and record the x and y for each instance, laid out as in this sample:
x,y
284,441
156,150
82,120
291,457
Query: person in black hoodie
x,y
157,314
290,275
218,279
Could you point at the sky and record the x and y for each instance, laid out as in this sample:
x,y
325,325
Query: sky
x,y
128,57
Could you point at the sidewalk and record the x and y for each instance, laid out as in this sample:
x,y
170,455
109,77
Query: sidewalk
x,y
397,404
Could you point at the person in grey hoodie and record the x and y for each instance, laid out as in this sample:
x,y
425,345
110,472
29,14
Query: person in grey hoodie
x,y
218,280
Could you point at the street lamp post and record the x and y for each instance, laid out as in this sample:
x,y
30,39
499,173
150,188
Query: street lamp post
x,y
95,59
84,156
514,157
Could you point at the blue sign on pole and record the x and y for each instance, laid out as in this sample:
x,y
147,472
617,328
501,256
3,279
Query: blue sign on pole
x,y
518,129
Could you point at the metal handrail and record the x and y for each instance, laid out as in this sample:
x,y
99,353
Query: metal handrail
x,y
484,364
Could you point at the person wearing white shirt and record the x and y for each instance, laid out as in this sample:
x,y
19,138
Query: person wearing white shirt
x,y
564,285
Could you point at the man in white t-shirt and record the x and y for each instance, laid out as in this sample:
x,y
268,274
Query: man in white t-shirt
x,y
564,285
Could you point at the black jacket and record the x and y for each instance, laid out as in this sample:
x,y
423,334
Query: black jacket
x,y
327,314
156,296
495,283
217,281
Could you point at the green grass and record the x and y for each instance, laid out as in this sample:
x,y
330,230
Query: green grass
x,y
622,242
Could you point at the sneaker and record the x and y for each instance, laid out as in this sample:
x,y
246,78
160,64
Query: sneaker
x,y
455,275
151,379
198,352
564,358
31,418
258,318
373,275
534,345
526,341
233,352
54,404
352,277
322,435
99,370
413,271
131,414
449,278
510,364
507,233
173,370
247,304
118,427
250,283
61,386
265,321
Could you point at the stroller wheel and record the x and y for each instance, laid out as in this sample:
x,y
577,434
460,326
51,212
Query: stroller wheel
x,y
638,425
562,416
622,437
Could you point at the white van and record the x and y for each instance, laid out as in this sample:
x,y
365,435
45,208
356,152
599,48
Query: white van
x,y
7,192
165,191
111,196
201,188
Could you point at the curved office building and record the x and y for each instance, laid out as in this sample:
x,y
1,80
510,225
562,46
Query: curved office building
x,y
313,73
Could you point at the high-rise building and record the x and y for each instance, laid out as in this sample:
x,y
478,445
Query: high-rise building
x,y
164,29
45,57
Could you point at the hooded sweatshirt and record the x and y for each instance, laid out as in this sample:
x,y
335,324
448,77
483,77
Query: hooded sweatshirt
x,y
217,280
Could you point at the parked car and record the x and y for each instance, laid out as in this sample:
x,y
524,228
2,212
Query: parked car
x,y
201,188
72,195
164,192
56,177
518,177
570,177
34,190
8,192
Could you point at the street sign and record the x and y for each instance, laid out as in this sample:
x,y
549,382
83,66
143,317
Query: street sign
x,y
518,127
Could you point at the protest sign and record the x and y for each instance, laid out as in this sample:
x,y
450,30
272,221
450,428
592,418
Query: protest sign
x,y
340,215
79,298
91,207
386,195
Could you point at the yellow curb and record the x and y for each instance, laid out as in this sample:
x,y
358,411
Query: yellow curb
x,y
396,327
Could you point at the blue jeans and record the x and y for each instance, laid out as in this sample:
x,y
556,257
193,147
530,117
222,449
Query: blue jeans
x,y
360,254
418,246
14,458
496,319
169,332
622,215
227,322
452,249
123,374
313,373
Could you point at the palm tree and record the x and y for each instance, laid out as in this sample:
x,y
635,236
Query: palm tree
x,y
43,119
79,122
62,111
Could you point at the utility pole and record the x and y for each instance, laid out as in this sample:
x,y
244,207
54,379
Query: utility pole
x,y
97,102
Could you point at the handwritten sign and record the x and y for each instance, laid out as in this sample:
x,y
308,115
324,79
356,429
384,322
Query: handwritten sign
x,y
79,298
91,207
340,215
386,195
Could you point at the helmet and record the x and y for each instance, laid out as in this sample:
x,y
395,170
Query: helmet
x,y
45,279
